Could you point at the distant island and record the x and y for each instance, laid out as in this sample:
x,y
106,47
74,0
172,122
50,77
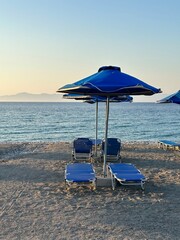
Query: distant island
x,y
29,97
57,97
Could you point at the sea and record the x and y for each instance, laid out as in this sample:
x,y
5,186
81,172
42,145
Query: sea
x,y
65,121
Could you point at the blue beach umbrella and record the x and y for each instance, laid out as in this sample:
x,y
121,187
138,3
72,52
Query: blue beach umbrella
x,y
173,98
96,100
123,98
109,81
77,96
86,98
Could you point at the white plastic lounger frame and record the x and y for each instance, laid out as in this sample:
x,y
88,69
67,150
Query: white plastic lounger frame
x,y
126,174
80,174
166,144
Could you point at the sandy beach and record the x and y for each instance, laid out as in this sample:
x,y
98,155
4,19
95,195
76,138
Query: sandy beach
x,y
36,205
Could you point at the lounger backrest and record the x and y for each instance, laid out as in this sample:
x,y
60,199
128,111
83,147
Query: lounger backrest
x,y
82,145
113,146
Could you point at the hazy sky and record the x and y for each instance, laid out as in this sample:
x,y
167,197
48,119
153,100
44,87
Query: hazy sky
x,y
45,44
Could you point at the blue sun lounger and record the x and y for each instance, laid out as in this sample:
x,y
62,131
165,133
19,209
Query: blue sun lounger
x,y
125,174
113,149
80,173
166,144
82,150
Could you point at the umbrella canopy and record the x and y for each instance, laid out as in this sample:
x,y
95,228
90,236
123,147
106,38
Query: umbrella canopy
x,y
77,96
93,99
173,98
123,98
109,81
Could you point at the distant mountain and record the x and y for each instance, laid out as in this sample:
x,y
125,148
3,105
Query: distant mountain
x,y
57,97
29,97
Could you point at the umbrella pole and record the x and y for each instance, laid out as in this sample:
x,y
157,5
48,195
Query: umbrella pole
x,y
96,128
106,136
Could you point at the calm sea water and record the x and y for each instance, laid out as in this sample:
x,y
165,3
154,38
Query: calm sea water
x,y
24,122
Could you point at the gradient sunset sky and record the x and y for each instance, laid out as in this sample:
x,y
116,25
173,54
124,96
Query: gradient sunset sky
x,y
45,44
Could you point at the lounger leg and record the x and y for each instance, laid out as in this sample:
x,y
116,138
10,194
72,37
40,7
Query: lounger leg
x,y
92,159
114,183
66,185
178,148
113,180
165,147
108,172
94,185
142,186
159,145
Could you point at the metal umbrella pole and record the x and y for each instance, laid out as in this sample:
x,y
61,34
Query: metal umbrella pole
x,y
106,137
96,137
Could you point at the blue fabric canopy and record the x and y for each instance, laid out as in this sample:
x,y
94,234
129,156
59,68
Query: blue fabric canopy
x,y
173,98
123,98
76,96
109,81
93,99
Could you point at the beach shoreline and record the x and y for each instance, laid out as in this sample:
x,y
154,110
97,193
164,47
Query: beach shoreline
x,y
36,205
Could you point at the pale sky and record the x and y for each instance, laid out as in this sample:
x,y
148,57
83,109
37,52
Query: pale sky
x,y
45,44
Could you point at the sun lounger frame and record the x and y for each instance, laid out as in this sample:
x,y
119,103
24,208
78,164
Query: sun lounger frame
x,y
112,155
80,154
126,174
167,144
81,174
